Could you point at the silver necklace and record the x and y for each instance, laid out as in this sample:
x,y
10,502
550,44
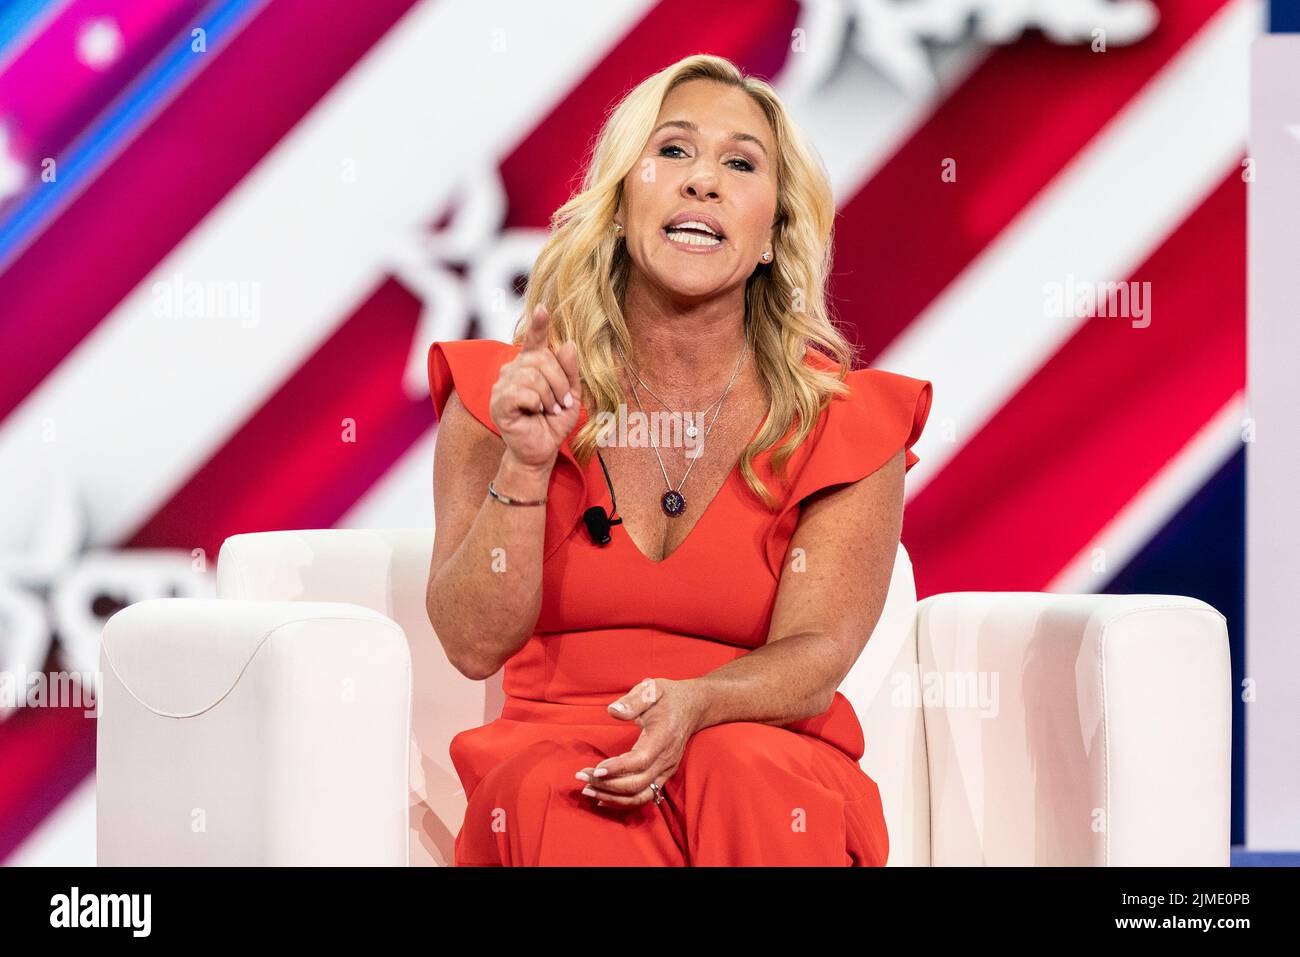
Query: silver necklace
x,y
672,501
691,429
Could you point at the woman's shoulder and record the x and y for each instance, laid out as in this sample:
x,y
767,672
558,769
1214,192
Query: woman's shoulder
x,y
471,368
887,410
881,412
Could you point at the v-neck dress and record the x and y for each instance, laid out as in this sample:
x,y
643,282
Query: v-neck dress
x,y
744,793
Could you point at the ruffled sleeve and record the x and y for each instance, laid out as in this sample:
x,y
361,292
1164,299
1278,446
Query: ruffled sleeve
x,y
471,367
858,433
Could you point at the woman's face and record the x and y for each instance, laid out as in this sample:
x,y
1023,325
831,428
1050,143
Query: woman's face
x,y
711,160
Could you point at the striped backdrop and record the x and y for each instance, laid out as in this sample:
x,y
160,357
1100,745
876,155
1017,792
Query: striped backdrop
x,y
228,227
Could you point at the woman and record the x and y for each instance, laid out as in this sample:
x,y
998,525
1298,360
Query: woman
x,y
671,693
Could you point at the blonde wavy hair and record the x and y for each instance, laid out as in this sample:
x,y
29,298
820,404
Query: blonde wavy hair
x,y
581,272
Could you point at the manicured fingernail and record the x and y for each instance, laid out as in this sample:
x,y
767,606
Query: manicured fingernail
x,y
568,400
583,776
601,772
619,706
589,792
556,408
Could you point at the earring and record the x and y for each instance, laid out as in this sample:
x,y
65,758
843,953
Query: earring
x,y
766,256
618,227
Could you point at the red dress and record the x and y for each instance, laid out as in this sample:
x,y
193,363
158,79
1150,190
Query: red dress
x,y
744,793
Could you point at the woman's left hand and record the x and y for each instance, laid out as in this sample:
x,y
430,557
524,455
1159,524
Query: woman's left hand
x,y
668,712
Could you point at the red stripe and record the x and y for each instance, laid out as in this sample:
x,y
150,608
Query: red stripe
x,y
45,753
1101,418
167,179
1017,121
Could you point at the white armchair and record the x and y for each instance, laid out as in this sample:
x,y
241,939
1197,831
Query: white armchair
x,y
304,716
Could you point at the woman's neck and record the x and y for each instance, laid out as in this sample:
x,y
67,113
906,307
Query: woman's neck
x,y
684,347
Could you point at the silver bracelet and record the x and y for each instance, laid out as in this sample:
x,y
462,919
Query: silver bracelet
x,y
507,500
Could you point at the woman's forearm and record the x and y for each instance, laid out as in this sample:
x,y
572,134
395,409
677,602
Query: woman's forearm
x,y
780,682
484,600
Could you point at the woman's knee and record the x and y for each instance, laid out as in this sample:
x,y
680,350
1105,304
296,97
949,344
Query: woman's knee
x,y
536,772
515,797
733,747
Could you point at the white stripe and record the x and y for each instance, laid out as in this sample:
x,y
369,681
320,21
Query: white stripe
x,y
143,401
1156,504
987,333
403,498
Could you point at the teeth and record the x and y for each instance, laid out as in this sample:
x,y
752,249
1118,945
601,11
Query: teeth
x,y
690,239
695,224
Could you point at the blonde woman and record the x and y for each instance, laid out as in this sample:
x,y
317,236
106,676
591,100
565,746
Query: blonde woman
x,y
675,598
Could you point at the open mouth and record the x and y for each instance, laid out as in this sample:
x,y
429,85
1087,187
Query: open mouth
x,y
693,233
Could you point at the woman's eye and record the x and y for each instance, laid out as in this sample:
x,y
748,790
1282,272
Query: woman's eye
x,y
744,167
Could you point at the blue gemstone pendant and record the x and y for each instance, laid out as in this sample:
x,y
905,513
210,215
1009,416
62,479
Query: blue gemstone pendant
x,y
673,503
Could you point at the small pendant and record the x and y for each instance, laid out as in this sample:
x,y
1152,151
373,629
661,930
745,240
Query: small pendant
x,y
692,431
673,503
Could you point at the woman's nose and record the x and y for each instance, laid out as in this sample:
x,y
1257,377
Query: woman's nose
x,y
701,183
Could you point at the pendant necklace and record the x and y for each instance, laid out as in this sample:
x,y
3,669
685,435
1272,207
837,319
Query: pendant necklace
x,y
673,502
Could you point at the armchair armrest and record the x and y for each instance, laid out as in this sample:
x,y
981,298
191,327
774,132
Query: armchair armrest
x,y
1076,729
252,733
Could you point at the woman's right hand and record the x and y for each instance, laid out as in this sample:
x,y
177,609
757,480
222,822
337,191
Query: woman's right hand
x,y
528,391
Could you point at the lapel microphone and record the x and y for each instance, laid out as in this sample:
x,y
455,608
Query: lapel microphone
x,y
598,522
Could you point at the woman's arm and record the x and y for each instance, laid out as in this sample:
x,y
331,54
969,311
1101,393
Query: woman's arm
x,y
484,591
485,576
832,592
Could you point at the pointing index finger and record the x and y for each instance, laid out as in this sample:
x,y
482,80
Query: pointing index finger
x,y
536,335
567,356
